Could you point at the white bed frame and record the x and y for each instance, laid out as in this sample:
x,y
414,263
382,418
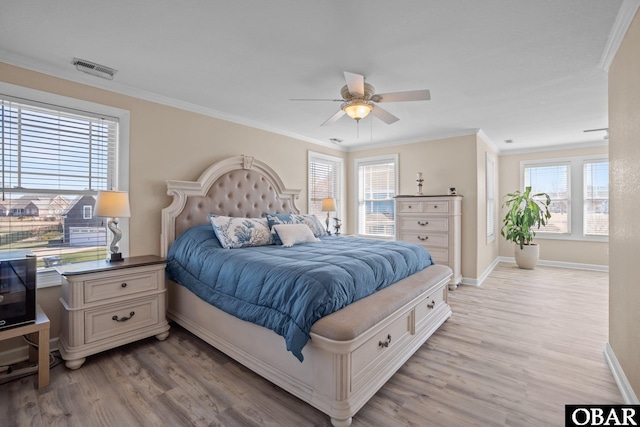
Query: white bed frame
x,y
352,352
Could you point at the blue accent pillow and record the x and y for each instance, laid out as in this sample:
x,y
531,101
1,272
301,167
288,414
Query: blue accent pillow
x,y
241,232
312,221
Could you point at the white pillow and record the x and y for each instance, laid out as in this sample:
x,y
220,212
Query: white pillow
x,y
292,234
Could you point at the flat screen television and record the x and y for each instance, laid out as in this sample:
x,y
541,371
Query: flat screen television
x,y
17,288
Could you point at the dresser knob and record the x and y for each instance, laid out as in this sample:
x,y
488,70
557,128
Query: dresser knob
x,y
410,206
423,238
423,223
124,285
435,206
433,304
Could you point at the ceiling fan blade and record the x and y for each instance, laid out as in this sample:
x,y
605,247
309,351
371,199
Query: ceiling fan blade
x,y
355,83
384,115
314,99
412,95
333,118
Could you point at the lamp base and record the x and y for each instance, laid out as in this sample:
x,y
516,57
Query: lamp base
x,y
115,257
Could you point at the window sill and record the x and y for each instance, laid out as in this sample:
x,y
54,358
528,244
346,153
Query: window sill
x,y
548,236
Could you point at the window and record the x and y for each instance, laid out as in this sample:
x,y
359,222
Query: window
x,y
491,197
54,159
579,191
552,179
325,180
596,198
87,212
376,182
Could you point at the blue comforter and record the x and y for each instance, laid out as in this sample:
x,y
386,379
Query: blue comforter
x,y
288,289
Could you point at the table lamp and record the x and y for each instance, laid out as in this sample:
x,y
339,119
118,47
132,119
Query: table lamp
x,y
114,205
328,206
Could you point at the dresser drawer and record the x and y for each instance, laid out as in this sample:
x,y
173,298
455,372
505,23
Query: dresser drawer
x,y
409,207
423,223
440,255
119,285
435,207
377,347
426,238
114,320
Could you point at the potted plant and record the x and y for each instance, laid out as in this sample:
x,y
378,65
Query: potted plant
x,y
525,213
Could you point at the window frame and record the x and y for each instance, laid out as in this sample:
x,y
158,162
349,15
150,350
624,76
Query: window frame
x,y
491,191
576,195
49,277
338,190
356,179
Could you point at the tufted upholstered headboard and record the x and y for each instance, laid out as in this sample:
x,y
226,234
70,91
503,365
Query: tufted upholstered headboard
x,y
238,186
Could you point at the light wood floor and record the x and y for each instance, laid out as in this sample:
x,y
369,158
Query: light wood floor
x,y
515,351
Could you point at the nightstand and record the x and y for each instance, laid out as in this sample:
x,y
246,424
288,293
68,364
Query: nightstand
x,y
105,305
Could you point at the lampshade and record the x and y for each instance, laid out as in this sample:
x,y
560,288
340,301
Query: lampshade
x,y
328,204
357,109
113,204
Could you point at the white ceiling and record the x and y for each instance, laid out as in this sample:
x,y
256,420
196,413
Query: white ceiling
x,y
530,71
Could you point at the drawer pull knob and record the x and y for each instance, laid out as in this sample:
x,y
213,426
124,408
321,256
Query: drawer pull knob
x,y
423,238
435,206
423,223
384,344
124,285
410,206
124,319
433,304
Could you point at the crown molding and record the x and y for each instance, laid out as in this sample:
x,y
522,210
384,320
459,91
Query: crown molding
x,y
627,12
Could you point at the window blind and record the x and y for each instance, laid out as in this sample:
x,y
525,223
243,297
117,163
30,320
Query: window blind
x,y
596,198
376,190
325,176
552,179
54,160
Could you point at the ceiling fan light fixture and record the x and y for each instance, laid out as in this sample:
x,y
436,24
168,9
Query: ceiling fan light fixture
x,y
357,109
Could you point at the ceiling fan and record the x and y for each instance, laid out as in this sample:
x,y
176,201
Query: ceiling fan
x,y
359,99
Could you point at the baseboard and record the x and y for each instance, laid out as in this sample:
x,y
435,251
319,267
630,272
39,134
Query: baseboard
x,y
20,354
574,265
478,282
628,394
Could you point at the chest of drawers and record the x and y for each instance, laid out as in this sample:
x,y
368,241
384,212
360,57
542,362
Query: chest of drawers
x,y
435,223
105,305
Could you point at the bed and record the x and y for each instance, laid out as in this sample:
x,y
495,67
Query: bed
x,y
351,352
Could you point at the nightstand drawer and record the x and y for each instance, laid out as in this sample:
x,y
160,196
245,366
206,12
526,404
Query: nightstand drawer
x,y
118,286
115,320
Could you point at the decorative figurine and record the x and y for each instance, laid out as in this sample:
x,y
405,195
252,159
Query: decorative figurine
x,y
336,226
419,181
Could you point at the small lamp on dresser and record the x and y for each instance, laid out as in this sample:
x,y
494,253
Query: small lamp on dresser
x,y
114,205
328,206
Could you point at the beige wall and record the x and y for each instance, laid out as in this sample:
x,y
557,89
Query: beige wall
x,y
624,241
568,251
445,163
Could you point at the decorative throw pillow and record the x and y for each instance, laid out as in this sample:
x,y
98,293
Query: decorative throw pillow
x,y
312,221
293,234
241,232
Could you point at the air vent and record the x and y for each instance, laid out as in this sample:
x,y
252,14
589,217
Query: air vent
x,y
94,69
